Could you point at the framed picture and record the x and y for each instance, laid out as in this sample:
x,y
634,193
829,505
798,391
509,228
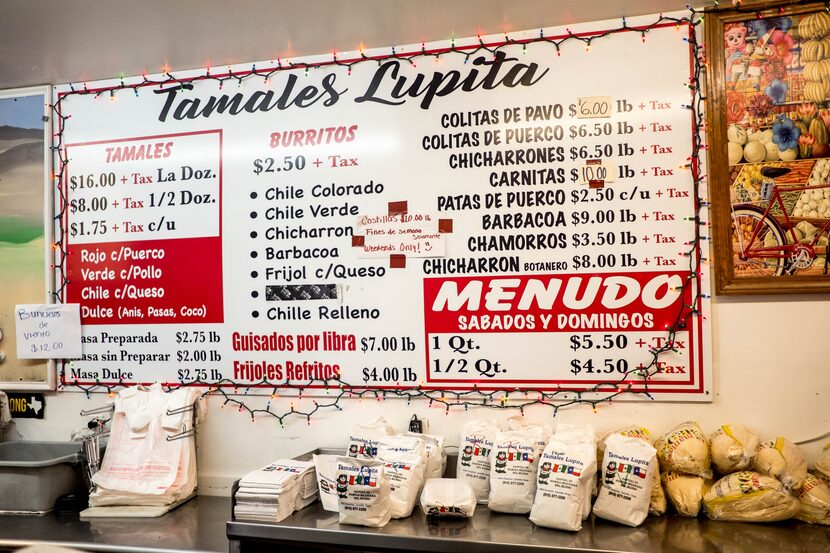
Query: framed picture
x,y
768,126
25,226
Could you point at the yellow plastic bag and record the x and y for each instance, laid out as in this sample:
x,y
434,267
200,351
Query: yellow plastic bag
x,y
732,448
814,501
685,449
748,496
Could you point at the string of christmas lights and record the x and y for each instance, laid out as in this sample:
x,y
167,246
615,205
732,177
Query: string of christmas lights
x,y
633,381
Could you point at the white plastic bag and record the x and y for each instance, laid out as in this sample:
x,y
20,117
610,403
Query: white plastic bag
x,y
626,474
139,459
363,438
474,445
513,464
567,467
362,492
448,497
405,474
326,466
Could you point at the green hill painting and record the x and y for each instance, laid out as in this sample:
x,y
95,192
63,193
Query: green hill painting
x,y
22,254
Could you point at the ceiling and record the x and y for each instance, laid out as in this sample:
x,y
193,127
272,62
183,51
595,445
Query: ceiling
x,y
60,41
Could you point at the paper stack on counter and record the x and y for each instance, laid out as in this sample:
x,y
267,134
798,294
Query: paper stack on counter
x,y
272,493
141,467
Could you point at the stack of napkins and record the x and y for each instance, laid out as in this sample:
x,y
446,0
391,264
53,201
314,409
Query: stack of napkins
x,y
272,493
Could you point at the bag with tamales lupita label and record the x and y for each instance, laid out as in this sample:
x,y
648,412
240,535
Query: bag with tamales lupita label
x,y
563,494
513,463
626,474
362,492
474,446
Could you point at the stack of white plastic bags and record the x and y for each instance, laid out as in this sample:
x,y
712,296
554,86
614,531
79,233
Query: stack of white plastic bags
x,y
274,492
141,467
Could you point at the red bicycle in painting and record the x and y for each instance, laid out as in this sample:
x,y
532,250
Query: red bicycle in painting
x,y
767,245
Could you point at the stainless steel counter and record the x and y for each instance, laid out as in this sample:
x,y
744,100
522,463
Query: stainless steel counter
x,y
201,525
313,529
198,525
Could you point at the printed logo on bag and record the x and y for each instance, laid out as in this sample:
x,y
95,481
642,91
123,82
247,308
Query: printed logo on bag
x,y
364,478
551,468
501,461
513,452
748,481
475,448
544,472
367,450
355,476
678,437
342,485
444,510
326,485
614,469
362,448
282,468
397,467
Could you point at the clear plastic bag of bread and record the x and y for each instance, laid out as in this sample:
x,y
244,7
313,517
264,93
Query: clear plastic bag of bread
x,y
781,459
685,449
748,496
814,500
685,492
657,505
822,466
732,448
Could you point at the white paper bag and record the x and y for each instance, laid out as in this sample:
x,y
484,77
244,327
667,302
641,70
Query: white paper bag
x,y
405,474
474,445
362,492
626,474
326,466
513,464
448,497
567,467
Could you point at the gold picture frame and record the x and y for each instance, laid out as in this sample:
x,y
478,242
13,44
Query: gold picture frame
x,y
768,130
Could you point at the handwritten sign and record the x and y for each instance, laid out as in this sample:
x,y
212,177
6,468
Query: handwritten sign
x,y
596,170
48,331
411,234
593,107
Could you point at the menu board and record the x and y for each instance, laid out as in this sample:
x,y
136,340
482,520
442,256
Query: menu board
x,y
508,216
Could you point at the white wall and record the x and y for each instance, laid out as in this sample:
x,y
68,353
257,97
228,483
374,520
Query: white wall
x,y
770,354
771,366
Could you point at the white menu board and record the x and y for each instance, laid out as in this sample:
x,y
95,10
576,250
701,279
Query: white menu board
x,y
493,218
